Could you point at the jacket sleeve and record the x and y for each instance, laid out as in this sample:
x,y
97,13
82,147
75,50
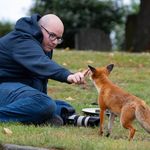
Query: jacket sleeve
x,y
30,55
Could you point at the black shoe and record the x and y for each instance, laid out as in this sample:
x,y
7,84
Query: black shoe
x,y
55,121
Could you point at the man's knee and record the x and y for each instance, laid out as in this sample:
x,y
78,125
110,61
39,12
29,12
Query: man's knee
x,y
47,107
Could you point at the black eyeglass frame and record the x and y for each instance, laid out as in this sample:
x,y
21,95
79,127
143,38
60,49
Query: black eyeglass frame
x,y
53,36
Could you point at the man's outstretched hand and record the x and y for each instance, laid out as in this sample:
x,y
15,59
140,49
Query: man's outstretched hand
x,y
79,77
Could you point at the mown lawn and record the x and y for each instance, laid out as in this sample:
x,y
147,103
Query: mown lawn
x,y
131,72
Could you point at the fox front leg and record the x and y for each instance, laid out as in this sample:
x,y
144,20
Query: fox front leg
x,y
101,122
110,123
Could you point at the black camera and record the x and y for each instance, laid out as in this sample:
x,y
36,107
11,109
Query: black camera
x,y
71,118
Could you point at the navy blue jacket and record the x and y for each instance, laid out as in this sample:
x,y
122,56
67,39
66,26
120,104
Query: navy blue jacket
x,y
22,58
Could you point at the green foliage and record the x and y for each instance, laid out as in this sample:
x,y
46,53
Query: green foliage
x,y
5,28
81,14
134,7
119,29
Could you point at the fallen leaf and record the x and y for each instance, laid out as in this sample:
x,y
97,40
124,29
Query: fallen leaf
x,y
69,98
7,131
64,64
67,49
141,65
111,54
90,62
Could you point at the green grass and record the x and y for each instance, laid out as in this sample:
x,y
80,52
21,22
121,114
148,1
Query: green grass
x,y
131,72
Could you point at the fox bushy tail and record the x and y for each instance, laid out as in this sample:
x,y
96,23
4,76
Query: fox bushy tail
x,y
142,114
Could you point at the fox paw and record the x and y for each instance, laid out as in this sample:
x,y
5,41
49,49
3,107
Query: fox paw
x,y
100,133
108,134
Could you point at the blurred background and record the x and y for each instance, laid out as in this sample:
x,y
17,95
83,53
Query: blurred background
x,y
98,25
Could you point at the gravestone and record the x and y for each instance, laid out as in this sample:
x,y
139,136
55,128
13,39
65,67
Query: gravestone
x,y
92,39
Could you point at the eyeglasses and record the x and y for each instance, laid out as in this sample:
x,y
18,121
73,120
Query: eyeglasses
x,y
53,36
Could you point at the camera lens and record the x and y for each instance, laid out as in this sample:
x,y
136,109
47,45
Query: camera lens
x,y
78,120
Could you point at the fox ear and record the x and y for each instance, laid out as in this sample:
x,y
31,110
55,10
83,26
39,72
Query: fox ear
x,y
92,68
110,67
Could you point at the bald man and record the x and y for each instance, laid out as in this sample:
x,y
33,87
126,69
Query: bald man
x,y
26,65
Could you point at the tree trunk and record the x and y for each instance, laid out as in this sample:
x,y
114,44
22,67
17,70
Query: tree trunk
x,y
141,41
130,30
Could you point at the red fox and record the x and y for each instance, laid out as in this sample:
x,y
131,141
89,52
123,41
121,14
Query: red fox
x,y
119,102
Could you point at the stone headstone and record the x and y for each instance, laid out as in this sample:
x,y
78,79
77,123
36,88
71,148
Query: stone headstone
x,y
92,39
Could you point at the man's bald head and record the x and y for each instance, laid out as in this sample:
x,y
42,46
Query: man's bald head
x,y
52,23
52,29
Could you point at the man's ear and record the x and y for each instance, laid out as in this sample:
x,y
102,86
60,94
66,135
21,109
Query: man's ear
x,y
92,68
110,67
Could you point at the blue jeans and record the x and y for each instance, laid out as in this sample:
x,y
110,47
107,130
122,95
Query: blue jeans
x,y
22,103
